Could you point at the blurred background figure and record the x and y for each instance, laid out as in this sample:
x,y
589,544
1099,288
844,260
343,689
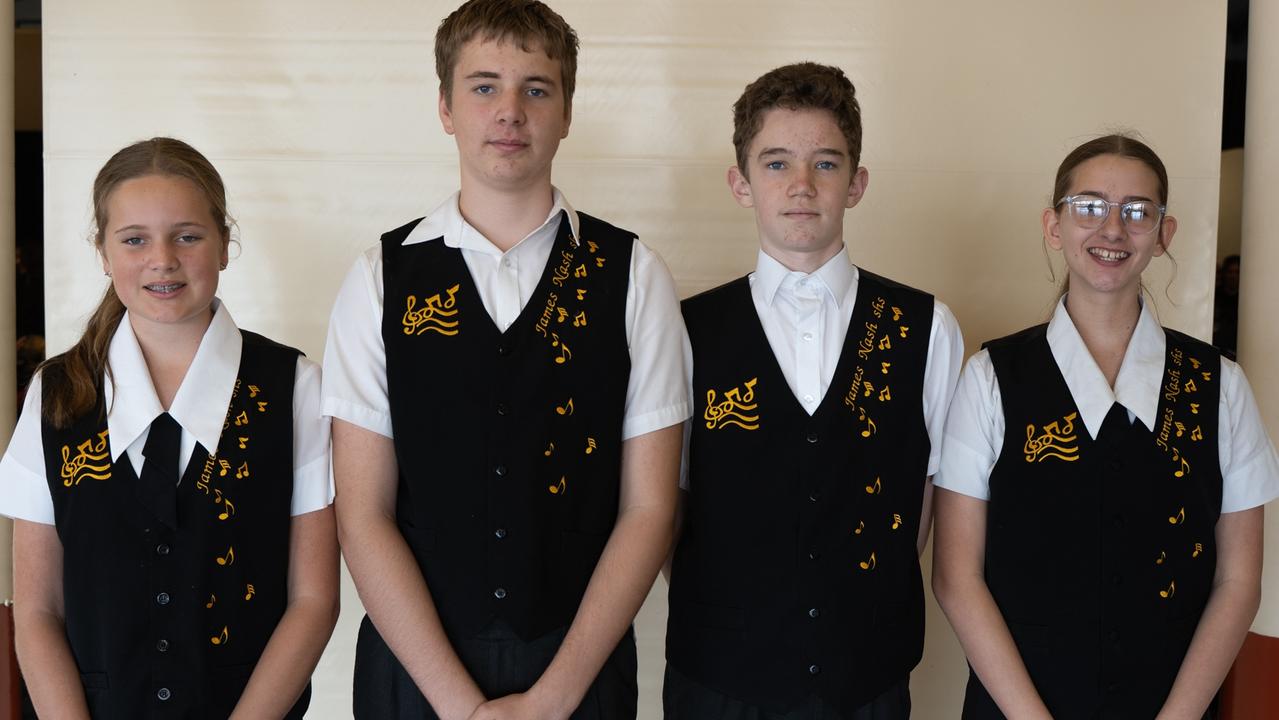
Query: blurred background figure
x,y
1225,309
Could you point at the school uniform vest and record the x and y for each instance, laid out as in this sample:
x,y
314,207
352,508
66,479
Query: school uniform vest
x,y
1100,551
169,622
508,443
796,572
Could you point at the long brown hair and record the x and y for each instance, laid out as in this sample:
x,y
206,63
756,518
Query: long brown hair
x,y
73,380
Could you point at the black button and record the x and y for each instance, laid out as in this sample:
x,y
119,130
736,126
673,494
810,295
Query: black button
x,y
161,549
503,350
501,409
162,599
499,593
1114,465
813,554
1119,521
500,470
499,533
1114,636
162,645
814,496
1114,687
163,694
812,438
814,669
814,613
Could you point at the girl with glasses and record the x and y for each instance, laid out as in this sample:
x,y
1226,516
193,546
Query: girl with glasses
x,y
174,546
1099,519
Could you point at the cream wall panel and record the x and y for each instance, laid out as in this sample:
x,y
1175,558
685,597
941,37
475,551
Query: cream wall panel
x,y
321,114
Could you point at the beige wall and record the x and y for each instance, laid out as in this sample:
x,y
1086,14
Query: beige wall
x,y
321,115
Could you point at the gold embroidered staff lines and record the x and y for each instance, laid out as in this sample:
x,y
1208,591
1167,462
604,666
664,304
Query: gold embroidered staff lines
x,y
435,315
92,460
1053,442
735,409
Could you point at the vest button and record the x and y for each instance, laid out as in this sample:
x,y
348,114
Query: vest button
x,y
503,350
812,437
813,554
1118,520
163,694
814,669
1114,465
499,533
1114,636
1114,687
162,599
1116,580
814,613
161,549
499,593
814,496
162,645
501,409
500,471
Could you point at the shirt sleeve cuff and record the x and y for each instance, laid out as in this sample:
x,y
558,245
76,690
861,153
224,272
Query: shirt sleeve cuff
x,y
312,487
962,470
357,415
27,497
655,420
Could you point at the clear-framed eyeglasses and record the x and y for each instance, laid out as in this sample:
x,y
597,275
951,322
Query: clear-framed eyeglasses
x,y
1090,212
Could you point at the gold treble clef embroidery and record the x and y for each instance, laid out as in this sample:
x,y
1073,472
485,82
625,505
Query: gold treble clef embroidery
x,y
734,410
1053,442
92,460
435,314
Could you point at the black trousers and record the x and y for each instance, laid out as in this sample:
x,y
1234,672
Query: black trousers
x,y
500,663
686,699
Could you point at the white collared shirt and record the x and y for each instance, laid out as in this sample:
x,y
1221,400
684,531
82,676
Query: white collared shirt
x,y
200,407
355,355
975,429
806,318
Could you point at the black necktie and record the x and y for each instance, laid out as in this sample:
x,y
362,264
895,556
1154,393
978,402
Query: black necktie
x,y
158,486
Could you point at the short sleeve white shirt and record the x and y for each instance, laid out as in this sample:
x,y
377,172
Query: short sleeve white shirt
x,y
199,406
974,435
355,388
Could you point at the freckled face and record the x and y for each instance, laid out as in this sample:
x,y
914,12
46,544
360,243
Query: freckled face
x,y
799,179
508,114
163,251
1109,258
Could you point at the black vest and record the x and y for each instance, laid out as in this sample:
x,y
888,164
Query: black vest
x,y
1100,551
164,622
508,443
796,572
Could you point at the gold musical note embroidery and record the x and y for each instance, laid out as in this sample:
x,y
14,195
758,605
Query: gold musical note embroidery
x,y
903,329
566,409
249,591
1197,434
228,558
242,471
436,315
885,395
592,246
560,487
1172,589
1190,386
869,563
579,320
1199,548
590,445
261,406
870,428
1181,428
224,467
885,343
883,367
228,510
549,449
1195,363
92,460
897,313
581,293
860,526
253,391
734,410
242,419
213,599
868,388
1162,556
599,262
1184,470
1207,376
560,315
1052,443
244,442
580,271
1194,408
565,353
222,638
876,488
897,521
1179,518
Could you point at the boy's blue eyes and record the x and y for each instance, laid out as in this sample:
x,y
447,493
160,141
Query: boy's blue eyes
x,y
184,239
820,165
531,92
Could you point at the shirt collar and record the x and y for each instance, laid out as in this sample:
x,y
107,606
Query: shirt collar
x,y
837,275
1136,385
446,222
202,399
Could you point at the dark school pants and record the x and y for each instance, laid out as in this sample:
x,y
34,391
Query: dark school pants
x,y
500,663
686,699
